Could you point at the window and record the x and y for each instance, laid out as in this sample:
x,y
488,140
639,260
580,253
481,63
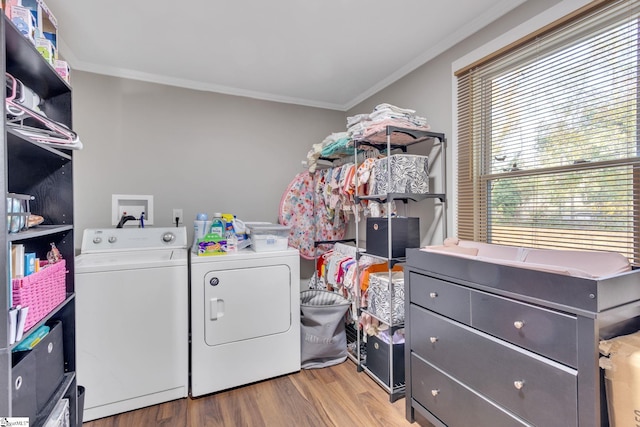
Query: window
x,y
549,138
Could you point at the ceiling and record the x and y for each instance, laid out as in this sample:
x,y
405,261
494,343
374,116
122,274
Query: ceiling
x,y
324,53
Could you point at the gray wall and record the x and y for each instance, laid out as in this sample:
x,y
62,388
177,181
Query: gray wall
x,y
209,152
429,91
199,151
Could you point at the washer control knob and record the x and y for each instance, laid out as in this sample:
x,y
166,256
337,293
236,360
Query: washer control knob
x,y
113,239
168,237
97,240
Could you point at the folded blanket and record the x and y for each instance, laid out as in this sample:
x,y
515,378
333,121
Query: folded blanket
x,y
377,132
337,147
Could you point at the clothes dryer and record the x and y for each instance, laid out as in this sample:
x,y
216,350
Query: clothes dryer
x,y
245,318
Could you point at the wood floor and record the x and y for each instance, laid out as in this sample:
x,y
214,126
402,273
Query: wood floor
x,y
336,396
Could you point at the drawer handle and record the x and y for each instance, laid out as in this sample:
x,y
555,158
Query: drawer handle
x,y
518,384
433,295
435,392
518,324
433,340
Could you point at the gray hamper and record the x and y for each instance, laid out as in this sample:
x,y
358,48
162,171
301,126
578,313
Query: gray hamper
x,y
322,333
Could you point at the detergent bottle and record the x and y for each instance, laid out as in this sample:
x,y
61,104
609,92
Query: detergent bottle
x,y
230,233
218,226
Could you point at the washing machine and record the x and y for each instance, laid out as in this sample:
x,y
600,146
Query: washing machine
x,y
132,305
245,318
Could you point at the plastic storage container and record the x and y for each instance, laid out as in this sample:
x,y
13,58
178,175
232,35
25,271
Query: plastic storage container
x,y
269,237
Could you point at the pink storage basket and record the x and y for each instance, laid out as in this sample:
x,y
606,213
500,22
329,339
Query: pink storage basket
x,y
41,291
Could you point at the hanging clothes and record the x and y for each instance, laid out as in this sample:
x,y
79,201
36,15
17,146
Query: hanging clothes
x,y
305,207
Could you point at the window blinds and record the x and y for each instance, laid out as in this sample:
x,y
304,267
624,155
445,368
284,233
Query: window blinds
x,y
548,137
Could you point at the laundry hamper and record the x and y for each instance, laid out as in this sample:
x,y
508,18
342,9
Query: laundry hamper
x,y
322,328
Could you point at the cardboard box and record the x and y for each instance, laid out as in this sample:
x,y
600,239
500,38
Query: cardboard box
x,y
24,21
621,366
46,49
211,247
46,23
8,4
29,263
63,69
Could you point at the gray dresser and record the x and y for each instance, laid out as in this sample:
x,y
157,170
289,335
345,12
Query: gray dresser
x,y
496,345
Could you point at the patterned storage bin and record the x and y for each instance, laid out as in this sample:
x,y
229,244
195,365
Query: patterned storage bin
x,y
380,300
409,174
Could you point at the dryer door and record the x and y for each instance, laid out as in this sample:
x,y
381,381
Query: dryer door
x,y
246,303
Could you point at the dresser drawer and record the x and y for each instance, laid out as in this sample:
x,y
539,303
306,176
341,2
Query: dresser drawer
x,y
454,404
540,330
518,380
442,297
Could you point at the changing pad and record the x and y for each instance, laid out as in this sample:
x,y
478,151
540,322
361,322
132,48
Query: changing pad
x,y
586,264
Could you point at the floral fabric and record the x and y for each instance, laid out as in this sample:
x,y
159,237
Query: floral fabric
x,y
307,208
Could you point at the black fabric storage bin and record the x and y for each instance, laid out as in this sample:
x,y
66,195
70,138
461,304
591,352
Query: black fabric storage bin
x,y
405,234
378,360
49,357
23,385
